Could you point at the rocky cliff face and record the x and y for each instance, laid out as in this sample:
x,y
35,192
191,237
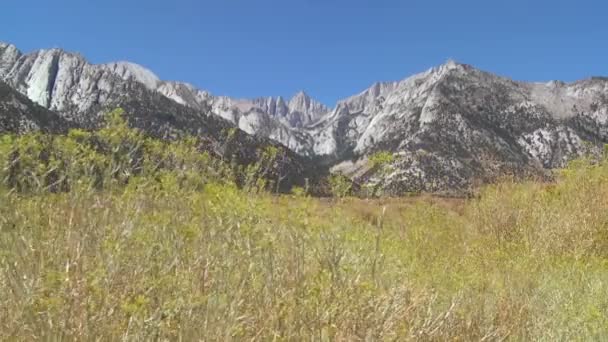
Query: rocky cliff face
x,y
454,125
67,83
447,128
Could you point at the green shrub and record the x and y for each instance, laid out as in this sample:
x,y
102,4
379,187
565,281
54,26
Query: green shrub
x,y
109,157
341,186
381,158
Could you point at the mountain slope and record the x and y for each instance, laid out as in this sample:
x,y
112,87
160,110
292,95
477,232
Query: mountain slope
x,y
81,93
65,82
447,128
19,114
454,125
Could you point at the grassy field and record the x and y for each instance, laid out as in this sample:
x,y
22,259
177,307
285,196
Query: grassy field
x,y
157,259
524,261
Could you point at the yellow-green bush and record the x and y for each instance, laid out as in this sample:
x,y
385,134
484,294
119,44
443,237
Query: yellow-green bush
x,y
112,156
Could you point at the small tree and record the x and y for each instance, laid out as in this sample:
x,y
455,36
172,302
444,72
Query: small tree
x,y
341,185
125,146
380,162
257,175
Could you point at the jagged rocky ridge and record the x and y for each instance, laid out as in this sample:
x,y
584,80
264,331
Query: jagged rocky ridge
x,y
448,128
70,92
455,125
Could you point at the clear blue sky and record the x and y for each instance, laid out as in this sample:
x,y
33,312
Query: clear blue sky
x,y
329,48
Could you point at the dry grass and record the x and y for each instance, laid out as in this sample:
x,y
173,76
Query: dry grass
x,y
524,261
151,242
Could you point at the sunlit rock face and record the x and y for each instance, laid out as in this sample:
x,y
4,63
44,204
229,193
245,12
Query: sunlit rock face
x,y
454,125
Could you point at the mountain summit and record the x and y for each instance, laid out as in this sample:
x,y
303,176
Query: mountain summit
x,y
140,74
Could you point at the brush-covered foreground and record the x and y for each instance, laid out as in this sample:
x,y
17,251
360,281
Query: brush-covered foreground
x,y
156,258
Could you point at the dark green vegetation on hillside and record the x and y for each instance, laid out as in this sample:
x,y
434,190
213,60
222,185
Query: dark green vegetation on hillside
x,y
117,155
111,235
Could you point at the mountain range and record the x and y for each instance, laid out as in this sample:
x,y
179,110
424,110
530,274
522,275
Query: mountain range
x,y
447,129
